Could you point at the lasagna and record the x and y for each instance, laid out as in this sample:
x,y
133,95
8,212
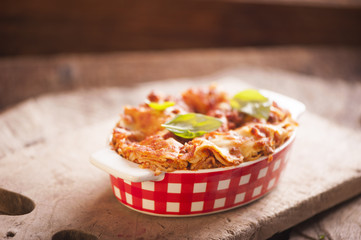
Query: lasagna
x,y
141,135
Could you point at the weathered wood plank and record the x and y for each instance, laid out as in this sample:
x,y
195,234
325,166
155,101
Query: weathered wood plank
x,y
43,27
69,193
340,222
26,77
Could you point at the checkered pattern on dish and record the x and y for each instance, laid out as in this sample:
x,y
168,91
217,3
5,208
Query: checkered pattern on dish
x,y
195,193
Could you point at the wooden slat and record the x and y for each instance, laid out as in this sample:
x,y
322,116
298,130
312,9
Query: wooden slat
x,y
25,77
340,222
47,27
324,3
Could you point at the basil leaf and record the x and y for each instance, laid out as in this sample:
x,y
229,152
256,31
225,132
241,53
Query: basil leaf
x,y
252,102
160,106
191,125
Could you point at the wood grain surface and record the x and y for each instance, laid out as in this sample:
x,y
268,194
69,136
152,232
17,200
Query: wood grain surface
x,y
83,26
25,77
340,222
45,144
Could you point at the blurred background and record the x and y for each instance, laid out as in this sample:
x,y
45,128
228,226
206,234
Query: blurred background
x,y
93,26
48,46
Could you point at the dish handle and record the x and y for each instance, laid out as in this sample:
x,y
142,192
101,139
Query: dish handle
x,y
112,163
295,107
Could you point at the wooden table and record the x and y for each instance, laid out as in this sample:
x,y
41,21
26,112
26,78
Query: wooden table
x,y
46,142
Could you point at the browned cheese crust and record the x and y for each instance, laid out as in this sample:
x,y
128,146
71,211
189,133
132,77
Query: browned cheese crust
x,y
139,136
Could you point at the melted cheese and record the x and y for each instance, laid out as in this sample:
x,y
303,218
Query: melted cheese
x,y
139,136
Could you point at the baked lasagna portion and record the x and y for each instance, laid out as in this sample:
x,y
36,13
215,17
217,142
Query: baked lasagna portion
x,y
141,136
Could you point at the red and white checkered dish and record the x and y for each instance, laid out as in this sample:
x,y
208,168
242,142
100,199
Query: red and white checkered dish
x,y
189,193
185,193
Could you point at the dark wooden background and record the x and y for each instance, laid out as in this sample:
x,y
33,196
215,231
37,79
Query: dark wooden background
x,y
83,26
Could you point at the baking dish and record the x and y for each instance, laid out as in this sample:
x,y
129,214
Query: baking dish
x,y
197,192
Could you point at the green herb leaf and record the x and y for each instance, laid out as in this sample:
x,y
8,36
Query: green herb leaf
x,y
191,125
252,102
160,106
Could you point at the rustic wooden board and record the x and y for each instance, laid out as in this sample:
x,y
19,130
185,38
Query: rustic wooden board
x,y
340,222
45,144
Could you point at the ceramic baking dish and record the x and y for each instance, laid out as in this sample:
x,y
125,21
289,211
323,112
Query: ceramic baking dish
x,y
189,193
